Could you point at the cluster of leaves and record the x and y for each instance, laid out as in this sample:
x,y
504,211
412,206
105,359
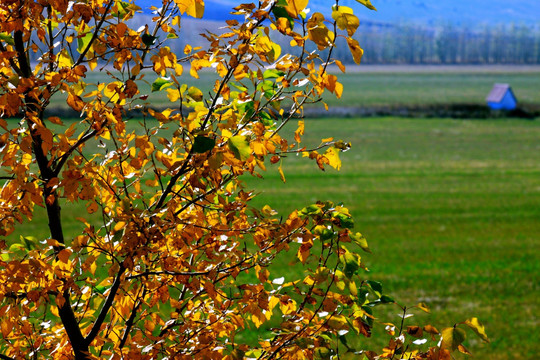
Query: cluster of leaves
x,y
172,262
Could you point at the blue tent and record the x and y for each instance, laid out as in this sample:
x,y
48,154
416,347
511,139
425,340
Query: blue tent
x,y
501,97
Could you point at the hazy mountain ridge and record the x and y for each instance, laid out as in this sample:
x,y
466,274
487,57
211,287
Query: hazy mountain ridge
x,y
470,13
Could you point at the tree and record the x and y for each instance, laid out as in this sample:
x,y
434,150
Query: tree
x,y
172,261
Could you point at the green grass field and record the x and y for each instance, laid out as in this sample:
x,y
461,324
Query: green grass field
x,y
391,85
435,87
451,210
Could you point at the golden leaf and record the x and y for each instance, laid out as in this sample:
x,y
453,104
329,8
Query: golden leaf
x,y
64,59
452,338
295,7
367,3
194,8
478,328
318,32
356,51
346,20
332,154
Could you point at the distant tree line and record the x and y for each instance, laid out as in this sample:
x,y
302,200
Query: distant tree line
x,y
448,44
385,43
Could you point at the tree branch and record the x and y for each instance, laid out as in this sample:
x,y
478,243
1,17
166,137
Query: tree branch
x,y
95,34
105,309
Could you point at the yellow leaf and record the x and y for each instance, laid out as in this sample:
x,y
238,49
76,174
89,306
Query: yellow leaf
x,y
346,20
334,86
422,306
93,268
194,8
287,306
281,174
340,66
478,328
173,94
267,49
338,322
295,7
463,349
258,319
64,59
356,51
452,338
332,154
367,3
300,131
318,32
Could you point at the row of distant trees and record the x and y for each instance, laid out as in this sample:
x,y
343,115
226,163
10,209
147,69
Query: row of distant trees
x,y
406,43
449,44
445,44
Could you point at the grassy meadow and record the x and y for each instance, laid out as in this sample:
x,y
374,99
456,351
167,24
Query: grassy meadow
x,y
451,208
433,85
366,86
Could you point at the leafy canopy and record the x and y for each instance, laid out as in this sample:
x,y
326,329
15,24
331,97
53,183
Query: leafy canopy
x,y
171,260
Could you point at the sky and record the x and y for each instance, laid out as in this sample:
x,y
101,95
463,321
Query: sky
x,y
469,13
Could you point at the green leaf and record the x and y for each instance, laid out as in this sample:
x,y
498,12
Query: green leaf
x,y
238,86
345,221
267,87
101,289
160,84
324,232
148,39
124,8
16,247
376,287
362,295
352,263
280,12
239,145
83,41
385,299
7,38
322,353
272,74
368,320
203,144
313,209
452,338
29,242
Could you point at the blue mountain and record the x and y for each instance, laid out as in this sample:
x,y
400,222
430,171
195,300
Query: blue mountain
x,y
469,13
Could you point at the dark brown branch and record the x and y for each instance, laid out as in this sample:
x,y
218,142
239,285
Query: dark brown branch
x,y
24,65
131,321
65,156
11,62
106,307
95,34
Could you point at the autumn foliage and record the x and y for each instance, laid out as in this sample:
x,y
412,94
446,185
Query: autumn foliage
x,y
172,261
